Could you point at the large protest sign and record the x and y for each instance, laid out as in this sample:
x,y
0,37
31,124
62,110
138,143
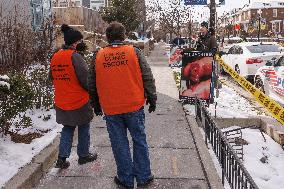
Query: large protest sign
x,y
196,76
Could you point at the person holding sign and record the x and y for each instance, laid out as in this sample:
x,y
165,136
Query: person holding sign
x,y
69,75
206,40
120,82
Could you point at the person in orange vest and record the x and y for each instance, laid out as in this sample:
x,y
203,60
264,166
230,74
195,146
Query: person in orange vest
x,y
69,74
121,81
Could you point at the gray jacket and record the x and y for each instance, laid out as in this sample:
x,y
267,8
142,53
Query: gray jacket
x,y
207,43
147,77
84,114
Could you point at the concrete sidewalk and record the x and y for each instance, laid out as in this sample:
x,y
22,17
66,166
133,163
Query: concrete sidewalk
x,y
179,158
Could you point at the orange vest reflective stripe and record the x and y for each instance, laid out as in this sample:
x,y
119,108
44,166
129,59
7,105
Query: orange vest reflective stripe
x,y
119,80
69,94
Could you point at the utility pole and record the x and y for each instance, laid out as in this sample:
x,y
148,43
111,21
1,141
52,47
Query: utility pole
x,y
212,7
259,23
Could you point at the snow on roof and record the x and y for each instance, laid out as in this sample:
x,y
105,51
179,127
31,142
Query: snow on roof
x,y
255,5
262,5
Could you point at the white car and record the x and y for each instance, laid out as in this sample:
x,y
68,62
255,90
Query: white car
x,y
246,58
270,79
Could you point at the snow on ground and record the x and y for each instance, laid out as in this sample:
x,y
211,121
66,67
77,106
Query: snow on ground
x,y
268,175
4,77
3,83
13,156
229,105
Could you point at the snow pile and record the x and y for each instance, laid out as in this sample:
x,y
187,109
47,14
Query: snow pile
x,y
3,81
268,175
229,105
13,156
4,77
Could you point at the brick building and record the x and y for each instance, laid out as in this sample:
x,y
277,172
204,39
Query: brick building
x,y
269,16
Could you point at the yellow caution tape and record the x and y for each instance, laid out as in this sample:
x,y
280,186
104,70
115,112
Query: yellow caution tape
x,y
272,106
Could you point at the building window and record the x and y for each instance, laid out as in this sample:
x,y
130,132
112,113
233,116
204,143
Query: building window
x,y
274,13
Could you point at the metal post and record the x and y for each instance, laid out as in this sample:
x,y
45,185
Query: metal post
x,y
259,24
212,14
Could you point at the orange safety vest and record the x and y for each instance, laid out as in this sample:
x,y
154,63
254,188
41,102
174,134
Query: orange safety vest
x,y
119,80
69,94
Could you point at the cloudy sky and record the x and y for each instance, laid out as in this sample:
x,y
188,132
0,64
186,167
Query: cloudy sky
x,y
201,13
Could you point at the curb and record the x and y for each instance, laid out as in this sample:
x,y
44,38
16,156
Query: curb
x,y
30,175
213,179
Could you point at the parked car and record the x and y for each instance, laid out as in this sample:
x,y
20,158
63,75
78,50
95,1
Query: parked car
x,y
246,58
270,78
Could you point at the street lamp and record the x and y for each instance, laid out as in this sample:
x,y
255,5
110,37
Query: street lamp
x,y
259,24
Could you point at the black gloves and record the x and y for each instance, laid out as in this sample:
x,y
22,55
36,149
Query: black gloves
x,y
98,110
152,105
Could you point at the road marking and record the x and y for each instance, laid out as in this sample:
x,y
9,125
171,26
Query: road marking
x,y
175,166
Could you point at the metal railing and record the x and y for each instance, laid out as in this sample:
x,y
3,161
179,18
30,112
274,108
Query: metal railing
x,y
232,167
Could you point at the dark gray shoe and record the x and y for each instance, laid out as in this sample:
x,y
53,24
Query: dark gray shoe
x,y
121,184
149,181
89,158
62,164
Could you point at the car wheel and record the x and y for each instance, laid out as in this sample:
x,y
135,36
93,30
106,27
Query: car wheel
x,y
237,69
258,83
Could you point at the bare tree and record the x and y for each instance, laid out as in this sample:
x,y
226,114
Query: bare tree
x,y
170,18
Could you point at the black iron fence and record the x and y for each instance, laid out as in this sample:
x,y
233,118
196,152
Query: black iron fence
x,y
232,167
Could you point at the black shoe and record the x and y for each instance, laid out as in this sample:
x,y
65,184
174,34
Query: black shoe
x,y
89,158
62,164
119,183
149,181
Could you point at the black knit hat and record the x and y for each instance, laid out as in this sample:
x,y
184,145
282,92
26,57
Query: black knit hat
x,y
204,24
70,35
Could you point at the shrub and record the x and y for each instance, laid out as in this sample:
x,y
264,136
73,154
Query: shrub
x,y
18,99
42,87
24,55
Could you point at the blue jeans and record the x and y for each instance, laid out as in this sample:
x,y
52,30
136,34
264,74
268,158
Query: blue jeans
x,y
66,140
127,169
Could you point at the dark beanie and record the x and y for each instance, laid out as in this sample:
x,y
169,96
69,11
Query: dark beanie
x,y
70,35
204,24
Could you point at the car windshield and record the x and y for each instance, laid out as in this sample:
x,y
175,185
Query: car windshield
x,y
261,48
281,61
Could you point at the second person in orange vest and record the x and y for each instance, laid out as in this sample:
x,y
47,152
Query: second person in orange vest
x,y
69,73
121,81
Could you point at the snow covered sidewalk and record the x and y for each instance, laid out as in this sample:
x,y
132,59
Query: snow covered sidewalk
x,y
19,157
